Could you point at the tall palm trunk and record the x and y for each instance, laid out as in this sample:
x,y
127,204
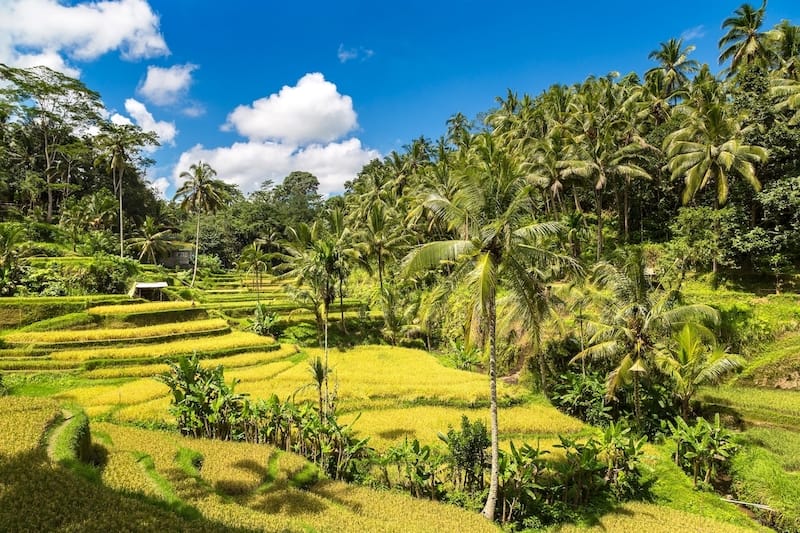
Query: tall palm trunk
x,y
714,263
598,201
341,303
121,237
491,500
637,400
196,249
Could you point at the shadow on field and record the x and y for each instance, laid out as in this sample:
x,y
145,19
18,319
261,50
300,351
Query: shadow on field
x,y
36,495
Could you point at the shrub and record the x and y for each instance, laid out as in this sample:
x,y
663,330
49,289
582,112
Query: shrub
x,y
263,320
582,396
702,450
467,450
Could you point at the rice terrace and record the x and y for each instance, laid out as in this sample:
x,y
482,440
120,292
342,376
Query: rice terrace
x,y
577,311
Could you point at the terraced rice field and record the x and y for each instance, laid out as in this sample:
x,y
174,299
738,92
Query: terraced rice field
x,y
162,481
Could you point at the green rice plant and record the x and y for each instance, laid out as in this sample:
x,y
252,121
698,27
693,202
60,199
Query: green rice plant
x,y
124,334
653,518
759,477
781,407
68,321
783,443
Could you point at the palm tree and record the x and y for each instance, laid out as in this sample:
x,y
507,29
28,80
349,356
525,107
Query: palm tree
x,y
119,144
674,63
709,148
694,361
501,247
199,194
606,144
254,259
744,43
382,236
311,262
151,242
785,41
346,253
633,319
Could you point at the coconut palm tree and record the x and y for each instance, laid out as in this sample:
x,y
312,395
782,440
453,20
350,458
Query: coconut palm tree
x,y
503,245
606,144
744,43
119,144
785,44
382,236
694,360
254,259
633,321
199,194
152,241
709,148
673,61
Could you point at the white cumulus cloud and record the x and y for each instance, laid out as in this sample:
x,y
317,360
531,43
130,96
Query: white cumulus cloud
x,y
161,185
164,86
48,32
311,111
299,128
248,164
166,131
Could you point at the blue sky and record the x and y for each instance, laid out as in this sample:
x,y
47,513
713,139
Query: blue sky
x,y
262,88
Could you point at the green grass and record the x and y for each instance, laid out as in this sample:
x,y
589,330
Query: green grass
x,y
673,489
759,476
783,444
777,407
777,365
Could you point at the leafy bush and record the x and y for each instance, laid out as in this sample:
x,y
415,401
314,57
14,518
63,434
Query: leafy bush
x,y
263,320
209,263
107,274
46,249
702,450
202,403
463,357
582,396
740,328
467,449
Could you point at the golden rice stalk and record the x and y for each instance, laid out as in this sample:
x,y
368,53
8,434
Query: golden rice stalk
x,y
147,307
112,334
236,339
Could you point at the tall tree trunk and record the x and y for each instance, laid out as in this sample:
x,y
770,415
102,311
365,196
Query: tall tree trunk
x,y
637,401
714,262
341,304
598,202
491,499
542,370
380,269
626,208
49,196
196,249
577,202
121,237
